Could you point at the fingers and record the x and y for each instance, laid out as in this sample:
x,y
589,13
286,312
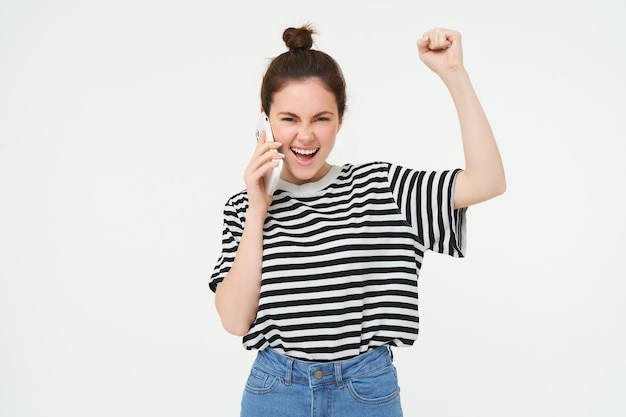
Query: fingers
x,y
438,39
265,158
440,49
265,152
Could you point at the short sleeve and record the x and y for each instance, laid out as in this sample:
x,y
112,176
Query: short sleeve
x,y
231,235
426,198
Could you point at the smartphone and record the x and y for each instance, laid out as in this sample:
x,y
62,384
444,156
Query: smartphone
x,y
271,178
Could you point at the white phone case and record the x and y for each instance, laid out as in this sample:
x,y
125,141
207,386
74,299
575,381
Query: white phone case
x,y
271,178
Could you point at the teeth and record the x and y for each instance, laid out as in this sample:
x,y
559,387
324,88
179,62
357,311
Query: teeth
x,y
304,151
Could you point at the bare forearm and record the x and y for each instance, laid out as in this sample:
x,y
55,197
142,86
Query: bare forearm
x,y
237,296
483,177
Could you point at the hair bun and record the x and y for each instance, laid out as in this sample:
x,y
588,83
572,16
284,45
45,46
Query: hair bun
x,y
299,38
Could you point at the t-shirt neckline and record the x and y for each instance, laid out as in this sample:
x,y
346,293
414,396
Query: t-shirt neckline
x,y
311,187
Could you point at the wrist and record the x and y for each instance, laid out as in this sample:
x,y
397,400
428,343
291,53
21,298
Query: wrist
x,y
256,213
454,75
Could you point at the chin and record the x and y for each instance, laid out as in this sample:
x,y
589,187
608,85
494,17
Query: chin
x,y
302,175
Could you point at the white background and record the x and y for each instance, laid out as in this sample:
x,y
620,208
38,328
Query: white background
x,y
125,126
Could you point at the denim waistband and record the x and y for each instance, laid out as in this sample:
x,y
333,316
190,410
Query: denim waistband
x,y
322,373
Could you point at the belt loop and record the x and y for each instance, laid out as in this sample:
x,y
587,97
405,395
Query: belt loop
x,y
338,376
390,352
288,371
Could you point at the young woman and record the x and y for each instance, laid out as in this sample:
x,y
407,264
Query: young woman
x,y
321,277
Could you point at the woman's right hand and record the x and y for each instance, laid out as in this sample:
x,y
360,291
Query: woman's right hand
x,y
264,159
237,296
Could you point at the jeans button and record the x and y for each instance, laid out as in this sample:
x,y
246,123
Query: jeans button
x,y
318,374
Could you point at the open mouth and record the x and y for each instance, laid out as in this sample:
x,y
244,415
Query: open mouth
x,y
304,155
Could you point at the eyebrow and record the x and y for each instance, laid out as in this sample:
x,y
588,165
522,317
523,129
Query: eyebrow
x,y
286,113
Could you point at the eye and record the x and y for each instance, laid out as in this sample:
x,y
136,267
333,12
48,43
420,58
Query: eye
x,y
323,119
287,119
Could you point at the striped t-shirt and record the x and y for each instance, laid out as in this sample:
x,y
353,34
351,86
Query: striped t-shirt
x,y
341,258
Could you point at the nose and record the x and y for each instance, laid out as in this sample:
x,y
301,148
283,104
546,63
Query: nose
x,y
305,131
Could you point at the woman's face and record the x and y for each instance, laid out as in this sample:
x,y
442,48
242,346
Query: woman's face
x,y
305,120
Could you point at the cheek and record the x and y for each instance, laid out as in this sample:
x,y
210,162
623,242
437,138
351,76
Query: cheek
x,y
284,133
327,133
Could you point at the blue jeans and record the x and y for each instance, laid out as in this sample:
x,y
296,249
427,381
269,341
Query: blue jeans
x,y
364,386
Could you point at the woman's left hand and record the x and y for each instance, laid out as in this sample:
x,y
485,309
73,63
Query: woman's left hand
x,y
483,177
440,49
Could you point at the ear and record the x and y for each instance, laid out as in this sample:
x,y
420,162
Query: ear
x,y
340,124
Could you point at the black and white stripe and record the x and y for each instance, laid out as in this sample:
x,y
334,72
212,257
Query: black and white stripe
x,y
341,258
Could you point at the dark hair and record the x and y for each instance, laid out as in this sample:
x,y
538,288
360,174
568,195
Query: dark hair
x,y
301,62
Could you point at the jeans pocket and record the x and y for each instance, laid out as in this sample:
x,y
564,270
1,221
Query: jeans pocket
x,y
377,387
260,382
